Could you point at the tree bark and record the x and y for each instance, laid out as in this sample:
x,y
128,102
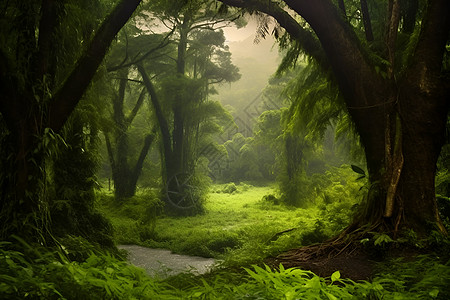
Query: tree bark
x,y
136,172
366,20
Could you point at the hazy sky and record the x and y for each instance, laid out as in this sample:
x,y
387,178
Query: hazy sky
x,y
256,63
233,34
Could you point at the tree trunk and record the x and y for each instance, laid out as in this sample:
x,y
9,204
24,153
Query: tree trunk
x,y
22,197
366,20
400,119
162,122
420,132
136,172
27,112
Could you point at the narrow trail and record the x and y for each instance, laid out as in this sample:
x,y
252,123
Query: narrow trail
x,y
163,263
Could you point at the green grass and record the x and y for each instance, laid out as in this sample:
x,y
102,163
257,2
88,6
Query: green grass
x,y
240,225
240,218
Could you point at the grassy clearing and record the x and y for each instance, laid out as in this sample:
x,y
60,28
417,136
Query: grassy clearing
x,y
242,224
232,222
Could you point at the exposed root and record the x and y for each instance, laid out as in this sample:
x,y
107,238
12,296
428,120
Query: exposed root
x,y
344,245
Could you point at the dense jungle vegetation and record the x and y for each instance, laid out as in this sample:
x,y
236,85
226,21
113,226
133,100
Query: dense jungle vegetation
x,y
310,158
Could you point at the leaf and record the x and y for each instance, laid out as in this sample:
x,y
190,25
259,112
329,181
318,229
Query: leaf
x,y
382,239
330,296
363,241
358,170
434,293
335,276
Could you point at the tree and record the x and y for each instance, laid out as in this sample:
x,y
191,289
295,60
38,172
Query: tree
x,y
125,173
395,89
134,45
43,75
201,59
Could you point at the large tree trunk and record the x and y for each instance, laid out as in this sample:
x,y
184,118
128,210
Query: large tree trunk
x,y
23,211
29,113
402,192
400,119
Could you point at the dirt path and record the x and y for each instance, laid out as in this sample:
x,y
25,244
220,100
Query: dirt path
x,y
163,263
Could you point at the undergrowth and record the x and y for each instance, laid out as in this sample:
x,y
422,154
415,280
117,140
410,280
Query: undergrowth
x,y
243,224
34,272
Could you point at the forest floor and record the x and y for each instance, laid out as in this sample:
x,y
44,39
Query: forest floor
x,y
355,266
242,226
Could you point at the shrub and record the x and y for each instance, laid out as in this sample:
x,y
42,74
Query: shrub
x,y
271,199
38,273
229,188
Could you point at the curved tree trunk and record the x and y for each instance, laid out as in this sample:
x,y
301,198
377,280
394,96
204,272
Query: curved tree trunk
x,y
401,121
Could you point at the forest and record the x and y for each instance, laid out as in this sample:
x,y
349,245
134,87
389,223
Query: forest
x,y
294,149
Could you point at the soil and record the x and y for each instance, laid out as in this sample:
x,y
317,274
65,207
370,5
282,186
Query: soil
x,y
353,262
355,266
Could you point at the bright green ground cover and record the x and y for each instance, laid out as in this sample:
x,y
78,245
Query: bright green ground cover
x,y
240,226
242,222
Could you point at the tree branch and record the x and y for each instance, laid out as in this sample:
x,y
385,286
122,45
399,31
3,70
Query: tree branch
x,y
161,45
307,40
76,84
136,172
112,160
136,108
433,37
118,101
46,30
394,19
342,7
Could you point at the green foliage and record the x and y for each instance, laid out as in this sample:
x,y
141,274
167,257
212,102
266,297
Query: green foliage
x,y
293,283
37,273
335,189
271,199
425,277
442,181
382,240
339,197
241,228
133,219
72,174
229,188
50,275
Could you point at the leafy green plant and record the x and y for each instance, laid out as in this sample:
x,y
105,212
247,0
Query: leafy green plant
x,y
38,273
229,188
382,240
